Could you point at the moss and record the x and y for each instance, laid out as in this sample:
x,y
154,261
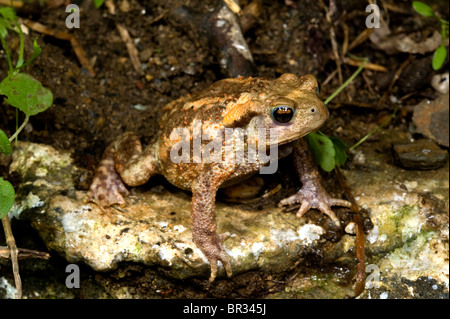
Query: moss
x,y
410,226
314,284
137,248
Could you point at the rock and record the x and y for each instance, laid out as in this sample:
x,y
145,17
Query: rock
x,y
350,228
406,249
422,154
154,227
440,82
124,6
410,213
432,119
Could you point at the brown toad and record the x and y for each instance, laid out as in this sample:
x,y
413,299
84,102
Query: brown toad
x,y
226,120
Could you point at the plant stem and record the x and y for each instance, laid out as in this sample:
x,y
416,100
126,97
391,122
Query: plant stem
x,y
8,54
374,130
21,45
27,117
10,241
332,96
17,121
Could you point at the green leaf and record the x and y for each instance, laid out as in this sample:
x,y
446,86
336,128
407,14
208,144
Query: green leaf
x,y
323,150
339,147
98,3
4,26
7,195
36,51
26,93
5,144
423,9
439,57
8,13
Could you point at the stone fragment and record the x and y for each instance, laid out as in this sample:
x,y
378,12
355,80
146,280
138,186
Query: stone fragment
x,y
422,154
431,119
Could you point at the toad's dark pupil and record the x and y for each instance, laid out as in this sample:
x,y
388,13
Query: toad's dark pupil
x,y
282,114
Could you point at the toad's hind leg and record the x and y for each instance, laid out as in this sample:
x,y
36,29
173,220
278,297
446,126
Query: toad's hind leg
x,y
123,162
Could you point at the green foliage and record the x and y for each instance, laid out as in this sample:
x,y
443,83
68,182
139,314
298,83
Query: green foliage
x,y
422,9
340,155
21,90
327,152
439,57
98,3
6,197
26,93
440,54
36,52
5,144
330,151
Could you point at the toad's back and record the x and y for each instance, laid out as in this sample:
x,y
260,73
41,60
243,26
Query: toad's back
x,y
234,103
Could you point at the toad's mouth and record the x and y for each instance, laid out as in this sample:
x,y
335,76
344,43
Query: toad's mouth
x,y
293,139
275,140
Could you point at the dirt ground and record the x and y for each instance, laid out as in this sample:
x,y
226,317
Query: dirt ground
x,y
288,36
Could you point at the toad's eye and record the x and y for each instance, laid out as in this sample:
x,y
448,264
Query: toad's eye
x,y
282,113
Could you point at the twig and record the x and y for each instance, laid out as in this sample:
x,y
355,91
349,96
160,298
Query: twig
x,y
394,79
23,253
360,238
363,36
111,7
233,6
15,4
125,35
14,252
368,65
329,77
344,49
334,44
77,48
131,48
368,84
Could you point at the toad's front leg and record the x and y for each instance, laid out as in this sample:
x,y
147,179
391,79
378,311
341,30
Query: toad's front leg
x,y
204,234
312,194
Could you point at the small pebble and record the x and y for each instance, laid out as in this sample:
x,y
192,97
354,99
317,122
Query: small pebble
x,y
422,155
440,82
350,228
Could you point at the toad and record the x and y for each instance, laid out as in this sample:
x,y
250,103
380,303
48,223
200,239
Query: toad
x,y
273,114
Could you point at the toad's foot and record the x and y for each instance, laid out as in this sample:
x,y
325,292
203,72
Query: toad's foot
x,y
213,249
107,187
315,196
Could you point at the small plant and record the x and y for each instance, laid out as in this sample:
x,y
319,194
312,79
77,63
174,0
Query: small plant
x,y
440,54
98,3
21,91
329,152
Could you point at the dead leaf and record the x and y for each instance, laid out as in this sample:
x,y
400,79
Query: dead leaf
x,y
413,43
431,119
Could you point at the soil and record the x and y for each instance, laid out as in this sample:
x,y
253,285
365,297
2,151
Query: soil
x,y
288,36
